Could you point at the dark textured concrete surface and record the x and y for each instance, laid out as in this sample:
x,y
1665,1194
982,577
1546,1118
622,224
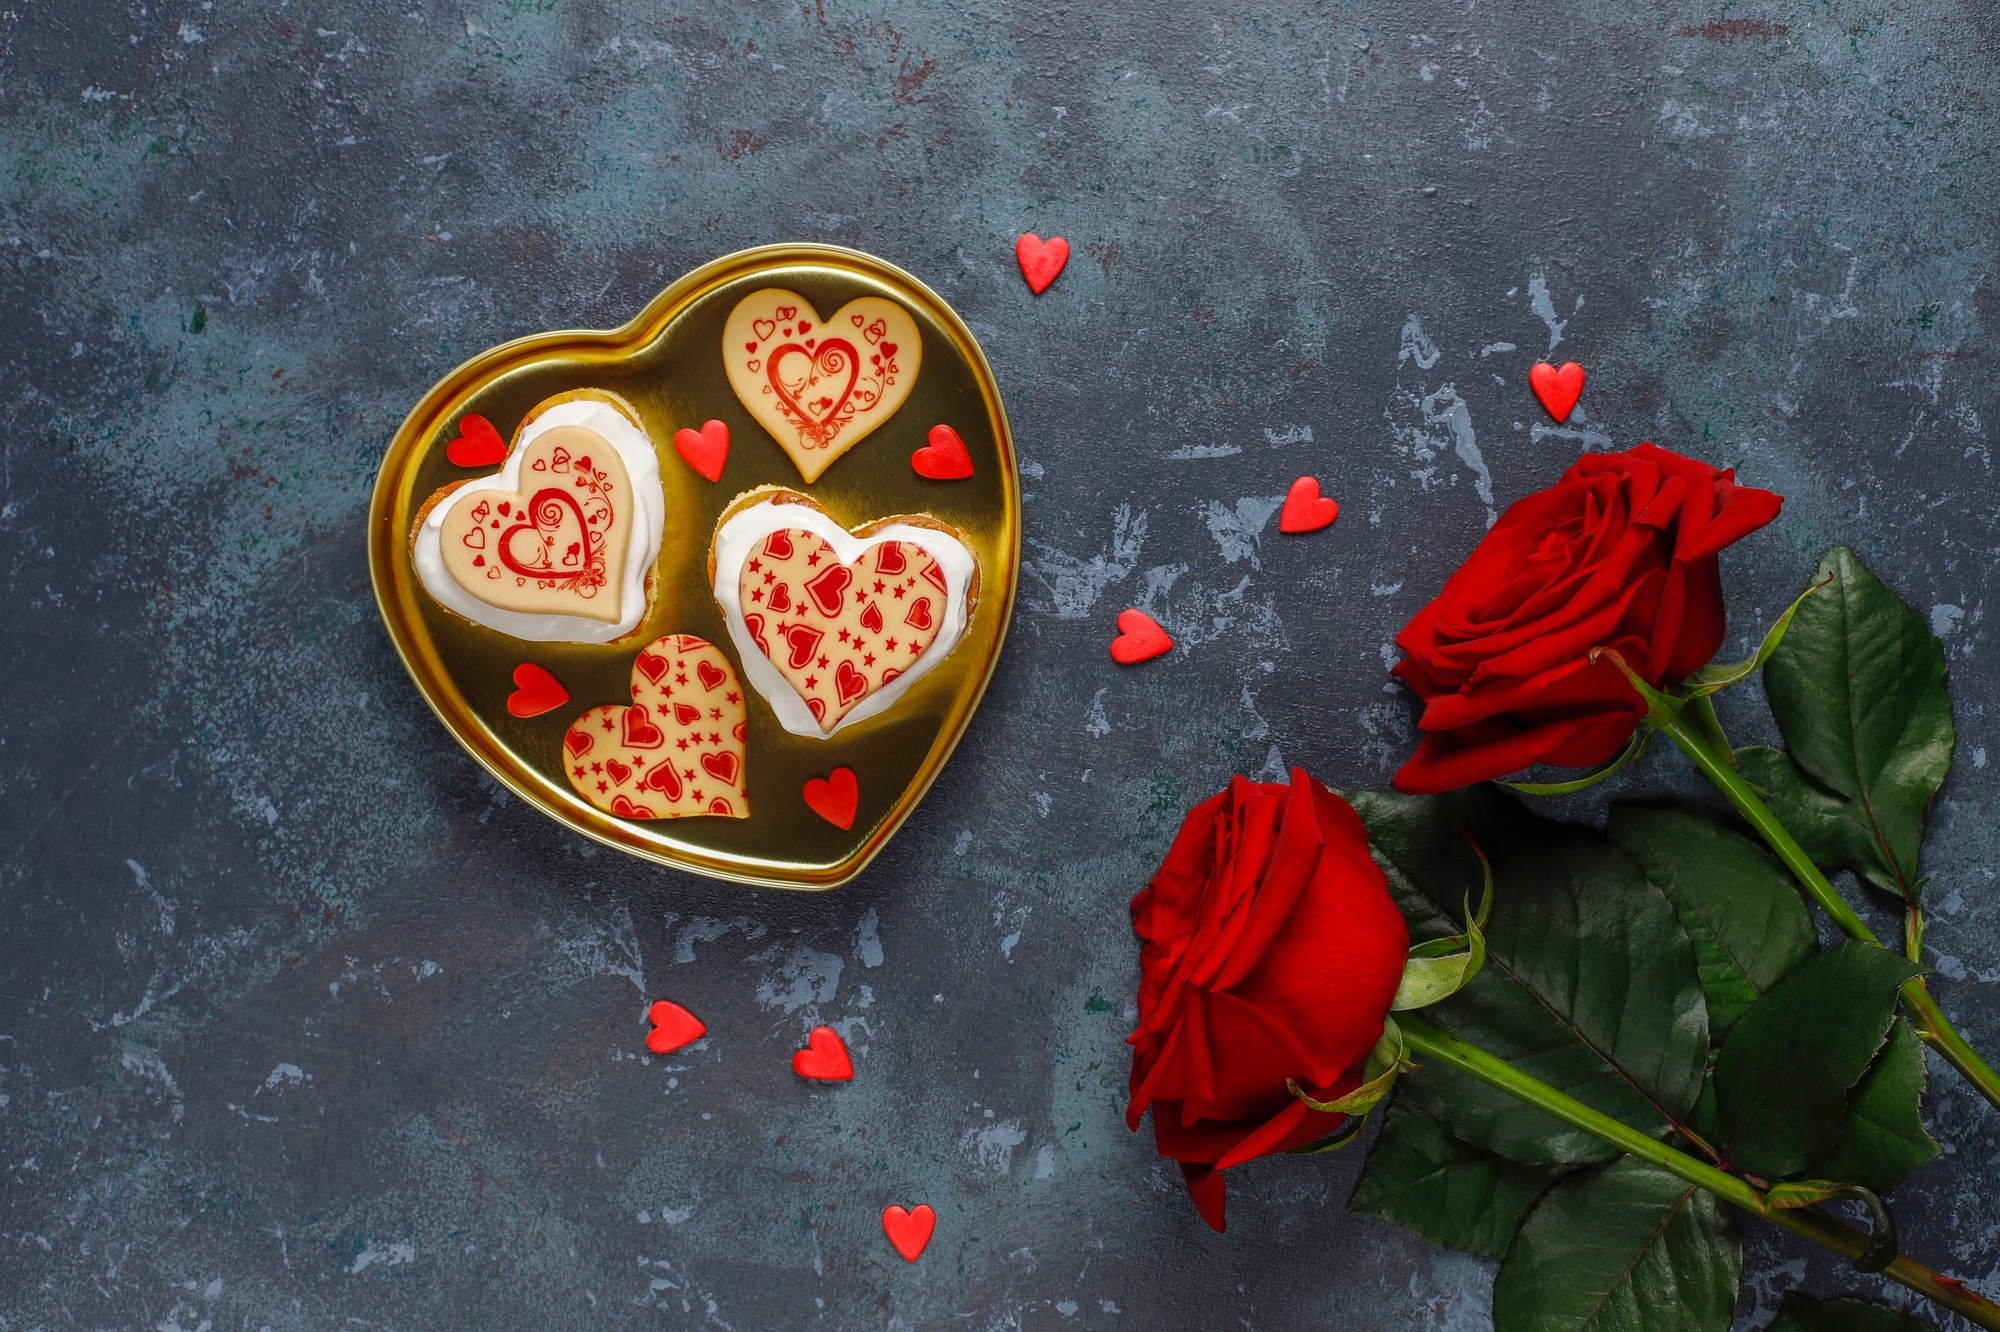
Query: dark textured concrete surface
x,y
305,1024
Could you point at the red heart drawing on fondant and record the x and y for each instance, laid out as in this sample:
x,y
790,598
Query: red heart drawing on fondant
x,y
536,691
1041,261
1140,638
945,458
1557,388
808,392
673,1027
909,1231
548,536
824,1058
478,443
640,732
839,632
706,450
677,750
834,797
1306,510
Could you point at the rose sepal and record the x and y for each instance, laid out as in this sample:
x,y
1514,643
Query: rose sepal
x,y
1343,1136
1661,708
1440,968
1634,750
1713,678
1881,1250
1385,1064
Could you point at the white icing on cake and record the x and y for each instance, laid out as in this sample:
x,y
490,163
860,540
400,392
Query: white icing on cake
x,y
741,534
642,467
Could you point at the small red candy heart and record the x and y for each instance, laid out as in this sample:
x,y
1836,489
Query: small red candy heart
x,y
1558,389
1306,510
909,1231
834,797
673,1027
824,1058
944,459
1041,261
1140,638
478,443
537,691
705,450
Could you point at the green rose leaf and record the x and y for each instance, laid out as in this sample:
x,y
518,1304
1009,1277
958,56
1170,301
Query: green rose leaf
x,y
1589,984
1782,1080
1798,1313
1738,904
1630,1248
1885,1138
1858,690
1420,1177
1832,829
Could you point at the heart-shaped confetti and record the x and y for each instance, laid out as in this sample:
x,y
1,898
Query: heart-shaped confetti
x,y
1140,638
478,443
536,691
673,1027
1306,510
909,1231
1041,260
834,797
945,458
706,450
825,1056
678,750
1557,388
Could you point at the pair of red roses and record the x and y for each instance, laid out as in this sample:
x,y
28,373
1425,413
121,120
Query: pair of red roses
x,y
1271,947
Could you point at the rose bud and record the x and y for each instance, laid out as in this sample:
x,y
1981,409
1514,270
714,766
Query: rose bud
x,y
1618,554
1271,951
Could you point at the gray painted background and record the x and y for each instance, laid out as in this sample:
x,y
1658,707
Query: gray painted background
x,y
305,1024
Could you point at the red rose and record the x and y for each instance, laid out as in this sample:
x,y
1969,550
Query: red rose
x,y
1620,553
1271,951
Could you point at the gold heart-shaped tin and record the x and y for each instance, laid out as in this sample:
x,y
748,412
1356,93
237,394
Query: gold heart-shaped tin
x,y
668,364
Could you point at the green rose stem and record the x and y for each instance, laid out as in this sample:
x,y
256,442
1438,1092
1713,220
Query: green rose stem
x,y
1421,1037
1699,734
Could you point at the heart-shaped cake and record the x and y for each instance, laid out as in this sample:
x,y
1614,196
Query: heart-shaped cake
x,y
833,626
820,385
559,544
678,750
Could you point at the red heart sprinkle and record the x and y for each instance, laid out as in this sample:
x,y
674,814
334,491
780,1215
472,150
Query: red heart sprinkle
x,y
1558,389
538,691
1306,510
824,1058
1140,638
909,1231
673,1027
944,459
478,443
834,797
705,450
1041,261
